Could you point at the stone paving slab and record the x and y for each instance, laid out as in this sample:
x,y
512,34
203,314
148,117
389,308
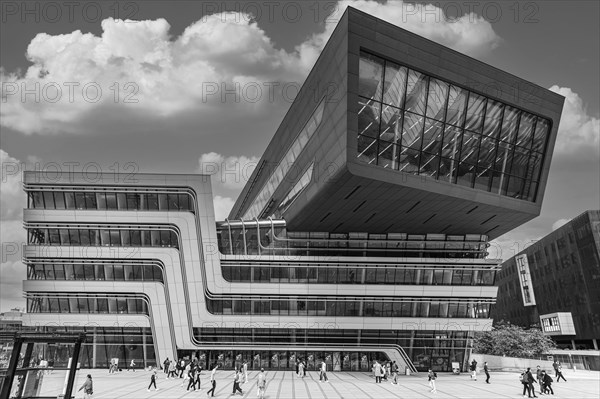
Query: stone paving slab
x,y
346,385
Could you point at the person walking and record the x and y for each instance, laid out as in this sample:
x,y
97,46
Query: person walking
x,y
131,366
213,381
88,387
324,371
473,368
236,382
166,366
297,366
555,367
524,378
300,369
245,368
191,378
546,383
538,373
394,372
530,381
261,383
153,378
197,373
560,374
377,372
186,373
172,370
432,375
486,370
181,368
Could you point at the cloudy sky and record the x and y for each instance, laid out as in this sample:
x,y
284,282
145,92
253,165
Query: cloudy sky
x,y
186,87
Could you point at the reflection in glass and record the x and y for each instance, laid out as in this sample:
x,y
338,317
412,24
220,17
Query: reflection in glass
x,y
394,84
416,92
475,109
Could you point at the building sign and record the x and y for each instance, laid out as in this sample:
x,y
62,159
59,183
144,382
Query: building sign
x,y
560,323
525,280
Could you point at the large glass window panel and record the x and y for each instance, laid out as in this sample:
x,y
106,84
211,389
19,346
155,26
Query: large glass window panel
x,y
59,200
483,177
457,99
163,203
152,202
155,238
509,124
416,92
451,143
368,117
436,99
54,236
74,236
80,200
133,201
515,187
125,238
49,200
391,124
519,164
115,237
412,131
135,238
84,237
388,155
475,109
429,165
470,148
525,135
487,152
94,237
466,174
370,76
497,181
493,118
90,200
448,170
101,200
111,201
64,237
367,149
394,84
532,190
432,136
38,200
542,128
534,167
184,201
70,200
409,160
503,157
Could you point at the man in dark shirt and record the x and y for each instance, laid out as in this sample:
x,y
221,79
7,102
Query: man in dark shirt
x,y
487,372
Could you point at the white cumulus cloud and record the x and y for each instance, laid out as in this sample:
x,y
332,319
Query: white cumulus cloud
x,y
578,130
135,73
223,206
231,172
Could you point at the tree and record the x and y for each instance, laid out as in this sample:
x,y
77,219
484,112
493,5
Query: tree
x,y
506,339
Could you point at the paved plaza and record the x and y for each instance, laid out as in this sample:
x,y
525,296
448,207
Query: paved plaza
x,y
284,384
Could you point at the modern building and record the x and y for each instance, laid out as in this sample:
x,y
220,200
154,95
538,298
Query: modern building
x,y
558,278
11,320
361,235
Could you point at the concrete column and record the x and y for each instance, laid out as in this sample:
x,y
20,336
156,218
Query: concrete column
x,y
144,347
94,347
595,342
573,344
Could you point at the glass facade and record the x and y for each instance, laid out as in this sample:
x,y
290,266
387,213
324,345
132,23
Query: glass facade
x,y
417,124
296,190
272,238
97,271
426,349
286,163
339,273
111,200
163,237
353,307
91,303
102,345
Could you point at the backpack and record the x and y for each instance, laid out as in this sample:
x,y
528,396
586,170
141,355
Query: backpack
x,y
524,378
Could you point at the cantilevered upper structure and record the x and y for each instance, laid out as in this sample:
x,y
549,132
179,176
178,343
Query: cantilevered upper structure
x,y
393,132
361,235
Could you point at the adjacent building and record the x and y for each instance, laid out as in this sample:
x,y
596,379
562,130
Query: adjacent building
x,y
361,235
558,278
